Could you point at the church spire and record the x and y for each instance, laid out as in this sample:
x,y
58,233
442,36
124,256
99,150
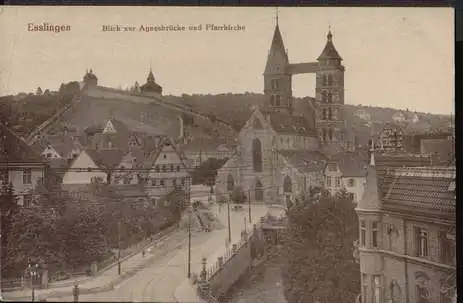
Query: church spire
x,y
329,52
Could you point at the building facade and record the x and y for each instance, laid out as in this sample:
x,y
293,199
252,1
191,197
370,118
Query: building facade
x,y
20,165
406,223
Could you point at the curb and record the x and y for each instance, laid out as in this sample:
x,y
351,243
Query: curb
x,y
116,281
109,286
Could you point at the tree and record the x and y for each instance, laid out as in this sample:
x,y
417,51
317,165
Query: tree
x,y
8,209
38,92
318,251
238,195
33,238
207,172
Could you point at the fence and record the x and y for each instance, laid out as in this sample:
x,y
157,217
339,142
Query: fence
x,y
12,284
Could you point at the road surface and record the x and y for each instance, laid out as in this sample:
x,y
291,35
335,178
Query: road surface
x,y
158,281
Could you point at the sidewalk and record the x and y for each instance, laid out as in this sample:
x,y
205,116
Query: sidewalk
x,y
107,279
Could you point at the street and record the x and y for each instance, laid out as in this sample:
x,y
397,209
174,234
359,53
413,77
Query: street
x,y
159,280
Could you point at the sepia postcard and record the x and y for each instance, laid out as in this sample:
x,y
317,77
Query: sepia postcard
x,y
187,154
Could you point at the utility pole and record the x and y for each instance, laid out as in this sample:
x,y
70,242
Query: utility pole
x,y
189,243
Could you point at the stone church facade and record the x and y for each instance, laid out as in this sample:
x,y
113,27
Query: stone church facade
x,y
281,148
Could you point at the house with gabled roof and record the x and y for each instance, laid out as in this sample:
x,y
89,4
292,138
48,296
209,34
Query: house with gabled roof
x,y
406,246
20,165
166,170
346,171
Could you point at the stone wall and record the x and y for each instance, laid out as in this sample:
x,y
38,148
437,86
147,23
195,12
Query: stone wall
x,y
224,272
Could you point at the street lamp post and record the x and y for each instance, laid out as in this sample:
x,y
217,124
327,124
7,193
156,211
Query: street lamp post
x,y
229,225
249,204
189,243
119,250
32,270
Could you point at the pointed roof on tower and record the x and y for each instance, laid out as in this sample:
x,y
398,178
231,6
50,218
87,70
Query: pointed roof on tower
x,y
371,198
277,42
329,52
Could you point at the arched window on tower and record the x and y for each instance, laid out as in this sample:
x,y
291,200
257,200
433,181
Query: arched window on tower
x,y
272,100
324,97
257,155
325,79
330,80
259,191
330,134
277,100
330,98
287,185
230,183
325,116
330,114
324,134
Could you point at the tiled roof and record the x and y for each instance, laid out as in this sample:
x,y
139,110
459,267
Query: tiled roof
x,y
304,161
424,190
351,164
155,154
14,150
202,144
286,124
106,158
386,164
329,52
62,144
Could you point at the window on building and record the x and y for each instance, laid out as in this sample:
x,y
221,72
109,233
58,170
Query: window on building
x,y
325,79
178,168
421,239
230,183
374,234
27,176
287,185
164,168
183,181
324,97
157,168
330,134
329,98
27,200
328,181
445,248
325,114
153,182
127,180
363,233
275,83
277,100
421,288
257,155
338,181
396,292
174,182
161,182
378,289
365,287
330,80
171,167
351,182
165,156
330,114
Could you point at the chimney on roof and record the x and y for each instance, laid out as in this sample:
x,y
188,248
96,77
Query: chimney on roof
x,y
372,153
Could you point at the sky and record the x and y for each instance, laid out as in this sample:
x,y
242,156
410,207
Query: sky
x,y
394,57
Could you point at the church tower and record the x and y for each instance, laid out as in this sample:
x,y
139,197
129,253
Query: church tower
x,y
277,79
330,96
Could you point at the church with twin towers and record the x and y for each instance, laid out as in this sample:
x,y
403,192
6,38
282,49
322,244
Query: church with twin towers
x,y
329,91
284,146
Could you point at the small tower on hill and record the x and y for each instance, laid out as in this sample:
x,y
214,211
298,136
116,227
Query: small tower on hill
x,y
90,79
151,86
